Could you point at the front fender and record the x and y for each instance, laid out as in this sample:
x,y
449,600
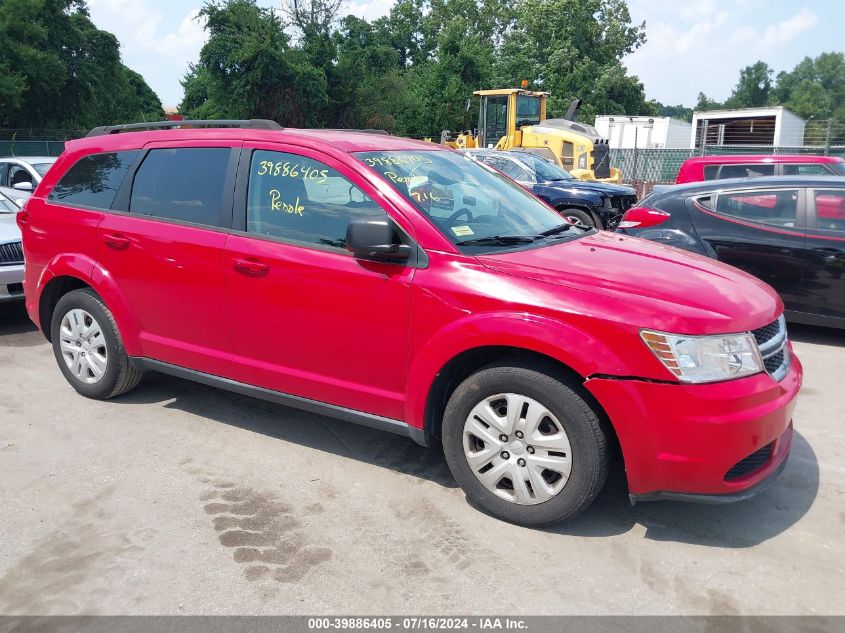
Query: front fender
x,y
90,272
578,349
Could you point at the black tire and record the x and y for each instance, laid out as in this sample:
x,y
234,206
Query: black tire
x,y
120,375
579,216
590,455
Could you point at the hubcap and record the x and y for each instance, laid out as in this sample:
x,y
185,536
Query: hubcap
x,y
528,467
574,219
83,346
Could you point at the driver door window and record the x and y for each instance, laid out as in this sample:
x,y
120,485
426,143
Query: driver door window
x,y
299,199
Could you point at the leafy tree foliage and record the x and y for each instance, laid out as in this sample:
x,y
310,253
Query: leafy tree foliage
x,y
412,71
60,71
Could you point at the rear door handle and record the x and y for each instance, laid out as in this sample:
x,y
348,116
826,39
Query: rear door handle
x,y
116,241
251,267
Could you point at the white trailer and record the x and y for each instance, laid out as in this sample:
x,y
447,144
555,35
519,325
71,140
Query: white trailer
x,y
629,132
770,126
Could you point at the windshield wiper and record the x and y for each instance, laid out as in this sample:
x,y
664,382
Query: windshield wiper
x,y
500,240
560,228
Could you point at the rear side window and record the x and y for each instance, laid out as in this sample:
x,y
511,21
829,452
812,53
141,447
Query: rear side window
x,y
746,171
302,200
184,184
508,168
94,180
776,208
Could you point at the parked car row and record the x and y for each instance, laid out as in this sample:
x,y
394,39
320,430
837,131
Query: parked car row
x,y
407,287
11,252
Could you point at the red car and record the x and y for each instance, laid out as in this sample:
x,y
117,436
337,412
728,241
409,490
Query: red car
x,y
402,286
726,166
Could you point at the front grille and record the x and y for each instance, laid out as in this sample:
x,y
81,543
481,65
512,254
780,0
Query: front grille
x,y
601,160
622,203
772,343
11,253
754,462
767,333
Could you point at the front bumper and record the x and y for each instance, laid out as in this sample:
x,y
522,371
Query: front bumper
x,y
680,441
11,280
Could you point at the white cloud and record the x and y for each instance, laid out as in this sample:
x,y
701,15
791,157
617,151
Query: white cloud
x,y
782,32
370,10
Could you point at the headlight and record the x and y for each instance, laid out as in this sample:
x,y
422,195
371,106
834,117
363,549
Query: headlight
x,y
582,161
706,358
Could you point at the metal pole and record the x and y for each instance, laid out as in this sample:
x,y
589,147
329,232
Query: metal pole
x,y
827,138
704,137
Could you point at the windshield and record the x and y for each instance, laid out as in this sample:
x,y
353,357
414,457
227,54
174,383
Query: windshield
x,y
471,204
42,168
527,110
544,169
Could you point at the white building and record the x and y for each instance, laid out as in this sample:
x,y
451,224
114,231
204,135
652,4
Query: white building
x,y
772,127
628,132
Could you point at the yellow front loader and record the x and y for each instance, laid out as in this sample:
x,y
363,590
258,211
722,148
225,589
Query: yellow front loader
x,y
515,118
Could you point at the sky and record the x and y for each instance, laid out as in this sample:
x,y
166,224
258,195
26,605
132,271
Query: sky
x,y
693,45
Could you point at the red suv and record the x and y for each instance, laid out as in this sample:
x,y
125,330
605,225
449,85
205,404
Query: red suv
x,y
721,167
403,286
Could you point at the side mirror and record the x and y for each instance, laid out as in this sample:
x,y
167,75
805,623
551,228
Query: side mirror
x,y
23,186
376,238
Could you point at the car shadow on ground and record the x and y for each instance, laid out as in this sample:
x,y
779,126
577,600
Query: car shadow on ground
x,y
735,525
16,330
816,335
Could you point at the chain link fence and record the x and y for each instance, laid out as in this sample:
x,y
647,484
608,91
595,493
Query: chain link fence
x,y
29,142
643,168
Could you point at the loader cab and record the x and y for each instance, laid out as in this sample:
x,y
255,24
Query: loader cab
x,y
504,112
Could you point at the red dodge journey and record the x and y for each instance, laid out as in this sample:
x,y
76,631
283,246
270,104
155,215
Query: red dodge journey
x,y
402,286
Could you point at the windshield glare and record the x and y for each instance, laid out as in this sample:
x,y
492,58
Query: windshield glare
x,y
839,168
544,169
466,200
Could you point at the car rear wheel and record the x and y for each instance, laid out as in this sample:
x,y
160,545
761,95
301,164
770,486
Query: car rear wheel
x,y
88,347
579,217
524,445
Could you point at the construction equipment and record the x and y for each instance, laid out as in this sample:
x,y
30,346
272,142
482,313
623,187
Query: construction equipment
x,y
515,118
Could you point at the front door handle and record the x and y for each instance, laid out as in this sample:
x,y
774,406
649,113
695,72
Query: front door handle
x,y
251,267
116,241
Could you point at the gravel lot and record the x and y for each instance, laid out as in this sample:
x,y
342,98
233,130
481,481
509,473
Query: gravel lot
x,y
127,507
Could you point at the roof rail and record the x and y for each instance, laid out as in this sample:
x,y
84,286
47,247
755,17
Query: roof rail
x,y
352,129
254,124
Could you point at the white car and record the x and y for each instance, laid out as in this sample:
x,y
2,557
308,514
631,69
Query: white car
x,y
11,253
20,175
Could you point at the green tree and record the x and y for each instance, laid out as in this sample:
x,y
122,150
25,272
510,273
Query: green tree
x,y
573,49
753,88
59,70
814,88
247,69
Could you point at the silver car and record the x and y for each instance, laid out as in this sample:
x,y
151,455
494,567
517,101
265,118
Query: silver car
x,y
11,253
20,175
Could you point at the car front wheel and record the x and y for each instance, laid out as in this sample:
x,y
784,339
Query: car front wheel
x,y
524,445
579,217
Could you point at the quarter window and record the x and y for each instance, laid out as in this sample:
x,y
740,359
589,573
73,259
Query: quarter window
x,y
830,210
777,208
184,184
710,172
94,180
302,200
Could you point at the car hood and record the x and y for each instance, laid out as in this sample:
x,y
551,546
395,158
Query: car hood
x,y
647,284
9,231
595,187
